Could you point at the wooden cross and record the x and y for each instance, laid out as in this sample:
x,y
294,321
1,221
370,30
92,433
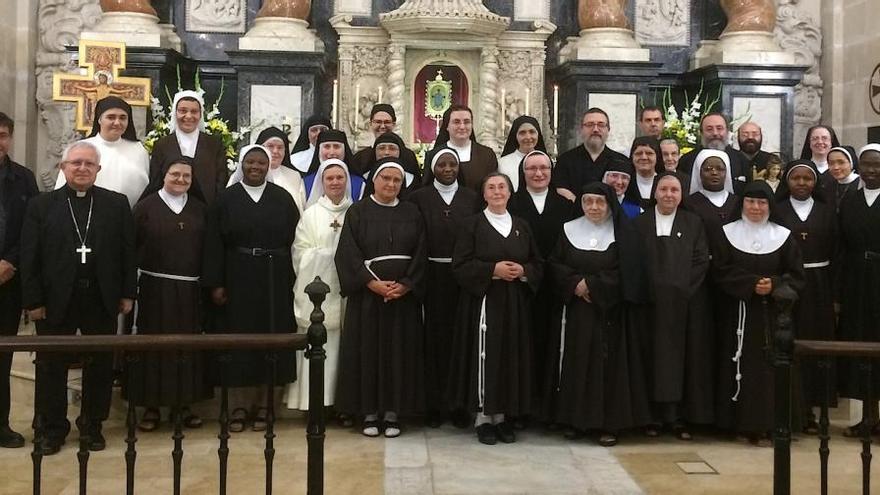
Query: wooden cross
x,y
101,61
335,225
83,251
180,225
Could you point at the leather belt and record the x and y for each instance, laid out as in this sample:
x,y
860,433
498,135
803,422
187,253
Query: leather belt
x,y
259,252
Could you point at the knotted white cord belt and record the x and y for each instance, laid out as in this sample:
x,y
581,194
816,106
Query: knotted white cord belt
x,y
737,358
818,264
168,276
369,262
561,347
440,260
481,356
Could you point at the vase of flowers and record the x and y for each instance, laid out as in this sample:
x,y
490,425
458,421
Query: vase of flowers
x,y
684,126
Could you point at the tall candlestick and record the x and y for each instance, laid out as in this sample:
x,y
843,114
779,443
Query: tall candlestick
x,y
556,109
380,95
503,107
335,109
357,106
528,99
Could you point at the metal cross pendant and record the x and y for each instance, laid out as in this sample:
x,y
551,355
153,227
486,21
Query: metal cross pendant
x,y
335,225
83,251
804,235
446,213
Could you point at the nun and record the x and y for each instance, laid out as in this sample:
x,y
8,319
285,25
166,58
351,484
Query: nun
x,y
188,139
676,258
280,171
860,276
383,120
457,132
757,265
524,137
843,166
390,145
499,268
618,175
712,195
381,265
304,148
647,161
803,210
314,250
818,142
247,269
124,163
444,205
331,143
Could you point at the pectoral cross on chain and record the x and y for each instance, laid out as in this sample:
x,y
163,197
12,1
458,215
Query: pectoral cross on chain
x,y
83,251
335,225
804,235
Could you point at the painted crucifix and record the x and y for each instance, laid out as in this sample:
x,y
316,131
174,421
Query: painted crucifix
x,y
102,61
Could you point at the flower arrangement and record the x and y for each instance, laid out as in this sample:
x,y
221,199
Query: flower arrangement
x,y
421,150
215,125
684,126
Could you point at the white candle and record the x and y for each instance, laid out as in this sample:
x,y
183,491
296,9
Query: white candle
x,y
528,98
556,109
357,106
503,106
335,109
380,95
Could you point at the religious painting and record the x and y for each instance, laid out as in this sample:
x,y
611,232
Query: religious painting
x,y
438,96
432,97
102,61
216,16
663,22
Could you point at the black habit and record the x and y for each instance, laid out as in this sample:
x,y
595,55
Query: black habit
x,y
381,350
247,251
209,163
500,382
576,168
739,164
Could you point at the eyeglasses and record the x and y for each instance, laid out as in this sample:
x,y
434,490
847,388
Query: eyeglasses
x,y
597,125
544,169
820,139
82,163
383,122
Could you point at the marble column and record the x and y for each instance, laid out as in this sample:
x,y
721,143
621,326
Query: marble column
x,y
489,97
605,34
396,81
281,25
133,22
748,37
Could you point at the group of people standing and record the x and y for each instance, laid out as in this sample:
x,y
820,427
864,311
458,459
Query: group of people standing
x,y
600,294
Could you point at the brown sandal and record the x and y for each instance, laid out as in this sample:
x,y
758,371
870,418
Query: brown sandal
x,y
261,420
150,420
238,420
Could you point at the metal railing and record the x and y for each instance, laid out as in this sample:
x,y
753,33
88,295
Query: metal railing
x,y
312,342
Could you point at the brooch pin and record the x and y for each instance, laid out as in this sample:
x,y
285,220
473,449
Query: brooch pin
x,y
678,234
516,232
594,242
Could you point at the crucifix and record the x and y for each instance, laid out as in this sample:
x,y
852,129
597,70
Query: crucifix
x,y
180,225
446,213
101,62
83,251
335,225
804,235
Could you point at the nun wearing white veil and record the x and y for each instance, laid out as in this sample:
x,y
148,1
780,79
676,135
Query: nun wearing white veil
x,y
314,250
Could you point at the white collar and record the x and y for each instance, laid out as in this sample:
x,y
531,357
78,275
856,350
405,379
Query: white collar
x,y
588,236
187,141
802,208
717,198
822,166
645,185
446,192
755,238
664,222
503,222
255,192
389,205
327,204
849,178
175,203
871,196
539,199
301,160
464,152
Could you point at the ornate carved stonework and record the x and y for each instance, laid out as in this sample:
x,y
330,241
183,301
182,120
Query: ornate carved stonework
x,y
797,33
438,16
663,22
515,65
370,60
216,16
60,23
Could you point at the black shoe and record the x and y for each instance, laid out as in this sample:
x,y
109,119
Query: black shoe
x,y
10,439
434,419
48,446
505,432
573,434
96,439
487,434
461,419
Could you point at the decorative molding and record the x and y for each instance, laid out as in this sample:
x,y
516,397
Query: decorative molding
x,y
489,97
531,10
353,7
462,18
60,23
216,16
371,60
663,22
798,33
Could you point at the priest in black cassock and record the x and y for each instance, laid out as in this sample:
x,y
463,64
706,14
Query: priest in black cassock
x,y
383,120
444,205
860,276
586,162
497,264
188,139
169,236
678,352
803,209
78,273
18,187
247,267
545,210
750,138
756,263
457,132
381,264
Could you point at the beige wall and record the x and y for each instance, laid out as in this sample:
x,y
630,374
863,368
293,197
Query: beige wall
x,y
17,80
851,46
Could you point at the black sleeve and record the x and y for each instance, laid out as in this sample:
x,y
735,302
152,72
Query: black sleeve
x,y
129,253
30,261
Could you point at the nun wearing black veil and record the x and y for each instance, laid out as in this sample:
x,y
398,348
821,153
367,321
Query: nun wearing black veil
x,y
304,147
524,137
595,377
756,264
390,145
332,143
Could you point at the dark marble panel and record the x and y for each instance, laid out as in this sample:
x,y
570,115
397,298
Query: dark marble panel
x,y
208,46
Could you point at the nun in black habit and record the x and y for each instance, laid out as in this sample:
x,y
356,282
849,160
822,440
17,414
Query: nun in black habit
x,y
676,257
545,210
524,137
332,143
444,205
391,145
304,147
596,373
499,268
843,166
803,210
757,264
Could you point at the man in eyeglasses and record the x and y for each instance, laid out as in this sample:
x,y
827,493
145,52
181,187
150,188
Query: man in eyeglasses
x,y
586,163
383,119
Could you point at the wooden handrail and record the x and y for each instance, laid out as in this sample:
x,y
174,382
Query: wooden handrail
x,y
168,342
836,348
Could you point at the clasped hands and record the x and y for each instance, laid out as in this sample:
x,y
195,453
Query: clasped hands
x,y
508,271
388,289
764,286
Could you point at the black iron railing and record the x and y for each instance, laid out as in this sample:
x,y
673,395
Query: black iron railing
x,y
312,342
